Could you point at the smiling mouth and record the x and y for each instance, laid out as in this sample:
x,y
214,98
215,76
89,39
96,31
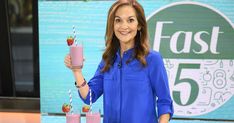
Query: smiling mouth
x,y
124,33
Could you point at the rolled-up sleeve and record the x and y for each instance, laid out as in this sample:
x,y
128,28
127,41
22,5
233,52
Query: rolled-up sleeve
x,y
160,85
96,85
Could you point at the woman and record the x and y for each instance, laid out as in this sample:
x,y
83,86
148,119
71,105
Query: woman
x,y
131,77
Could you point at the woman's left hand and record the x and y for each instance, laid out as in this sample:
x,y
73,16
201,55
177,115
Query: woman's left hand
x,y
164,118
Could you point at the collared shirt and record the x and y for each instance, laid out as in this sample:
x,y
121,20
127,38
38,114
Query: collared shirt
x,y
132,93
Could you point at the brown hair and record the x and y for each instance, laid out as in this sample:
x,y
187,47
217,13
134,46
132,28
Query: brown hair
x,y
112,43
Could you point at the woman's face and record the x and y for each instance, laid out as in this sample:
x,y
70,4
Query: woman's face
x,y
126,25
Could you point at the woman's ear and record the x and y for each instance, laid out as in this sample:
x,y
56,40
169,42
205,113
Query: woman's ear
x,y
139,28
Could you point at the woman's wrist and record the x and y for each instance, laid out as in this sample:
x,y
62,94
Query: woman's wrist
x,y
81,85
78,77
77,70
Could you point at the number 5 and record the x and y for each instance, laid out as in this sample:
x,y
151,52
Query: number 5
x,y
194,86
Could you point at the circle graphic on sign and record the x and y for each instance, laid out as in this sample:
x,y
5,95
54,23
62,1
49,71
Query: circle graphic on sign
x,y
196,42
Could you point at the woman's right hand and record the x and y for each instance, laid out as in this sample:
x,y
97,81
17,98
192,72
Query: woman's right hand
x,y
67,62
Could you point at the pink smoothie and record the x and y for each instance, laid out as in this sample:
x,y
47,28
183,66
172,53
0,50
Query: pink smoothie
x,y
76,53
93,118
72,118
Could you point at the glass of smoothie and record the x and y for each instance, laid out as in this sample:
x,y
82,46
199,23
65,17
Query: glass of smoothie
x,y
76,53
93,117
72,118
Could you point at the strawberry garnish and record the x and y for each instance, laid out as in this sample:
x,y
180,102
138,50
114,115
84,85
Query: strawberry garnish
x,y
66,108
85,108
70,40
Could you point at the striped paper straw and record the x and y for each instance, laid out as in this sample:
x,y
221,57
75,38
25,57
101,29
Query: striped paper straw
x,y
74,33
70,95
90,100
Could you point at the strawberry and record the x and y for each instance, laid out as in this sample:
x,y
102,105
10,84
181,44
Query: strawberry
x,y
70,40
85,108
66,108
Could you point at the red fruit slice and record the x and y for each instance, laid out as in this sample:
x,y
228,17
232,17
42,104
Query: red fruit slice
x,y
85,108
66,108
70,40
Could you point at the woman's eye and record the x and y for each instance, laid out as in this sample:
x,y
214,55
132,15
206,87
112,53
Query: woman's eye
x,y
131,20
117,20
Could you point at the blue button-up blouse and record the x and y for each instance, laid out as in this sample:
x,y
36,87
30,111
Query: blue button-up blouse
x,y
132,93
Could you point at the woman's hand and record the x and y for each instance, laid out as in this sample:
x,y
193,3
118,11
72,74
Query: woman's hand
x,y
164,118
67,62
